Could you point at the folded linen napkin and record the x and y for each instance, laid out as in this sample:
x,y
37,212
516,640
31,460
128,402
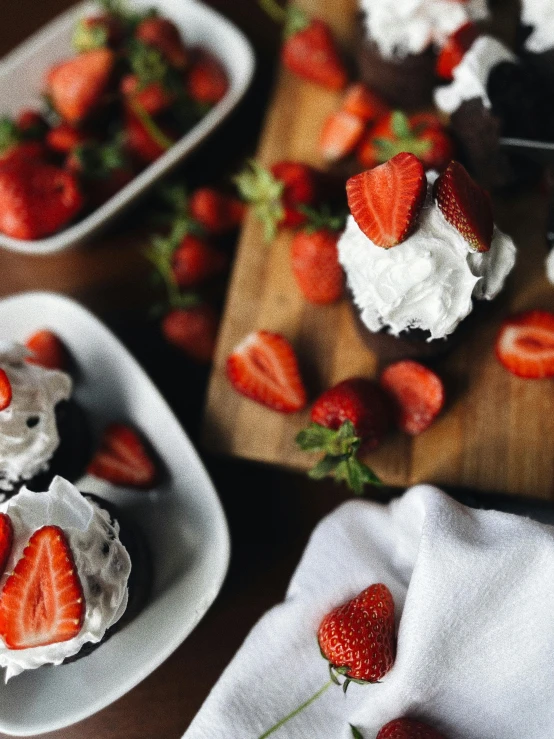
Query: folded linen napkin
x,y
474,597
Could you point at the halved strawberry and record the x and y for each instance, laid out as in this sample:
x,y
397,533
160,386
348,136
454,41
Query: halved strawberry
x,y
6,540
340,135
386,201
123,458
48,350
264,368
465,205
455,49
315,265
362,102
42,602
5,390
417,392
525,344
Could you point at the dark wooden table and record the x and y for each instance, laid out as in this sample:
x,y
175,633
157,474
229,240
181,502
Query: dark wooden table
x,y
271,513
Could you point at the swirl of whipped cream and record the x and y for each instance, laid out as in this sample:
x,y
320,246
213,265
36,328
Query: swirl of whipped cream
x,y
102,563
540,15
550,266
26,448
428,280
472,74
403,27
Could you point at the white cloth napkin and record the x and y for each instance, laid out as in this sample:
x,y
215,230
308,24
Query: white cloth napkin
x,y
474,597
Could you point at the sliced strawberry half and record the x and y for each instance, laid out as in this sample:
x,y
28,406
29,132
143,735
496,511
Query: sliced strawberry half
x,y
340,135
264,368
417,392
5,390
6,540
465,205
42,602
525,344
386,201
362,102
48,350
123,458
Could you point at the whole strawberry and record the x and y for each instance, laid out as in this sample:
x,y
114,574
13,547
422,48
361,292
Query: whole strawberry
x,y
354,414
408,728
195,261
163,35
216,211
358,637
192,330
315,265
207,81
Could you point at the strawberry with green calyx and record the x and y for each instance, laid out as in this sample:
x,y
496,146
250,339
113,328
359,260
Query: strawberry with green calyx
x,y
277,194
309,49
397,133
358,640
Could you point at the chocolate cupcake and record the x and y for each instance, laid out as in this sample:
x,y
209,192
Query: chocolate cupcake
x,y
86,593
398,41
43,432
411,298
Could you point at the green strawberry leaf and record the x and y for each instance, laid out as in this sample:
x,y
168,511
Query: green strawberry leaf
x,y
400,125
324,467
315,438
322,219
9,134
356,732
147,63
86,38
258,186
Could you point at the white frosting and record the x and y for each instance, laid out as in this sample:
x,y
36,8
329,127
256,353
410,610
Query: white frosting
x,y
428,280
540,15
103,575
402,27
550,266
25,451
472,73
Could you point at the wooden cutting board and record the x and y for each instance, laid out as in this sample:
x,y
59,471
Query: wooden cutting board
x,y
497,431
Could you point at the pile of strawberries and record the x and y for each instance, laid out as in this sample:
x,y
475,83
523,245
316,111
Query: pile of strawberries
x,y
131,91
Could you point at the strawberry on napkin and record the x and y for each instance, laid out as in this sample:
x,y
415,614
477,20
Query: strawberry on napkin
x,y
473,599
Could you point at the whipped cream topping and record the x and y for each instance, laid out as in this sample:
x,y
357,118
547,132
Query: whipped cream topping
x,y
28,431
428,280
550,266
472,73
402,27
540,15
102,563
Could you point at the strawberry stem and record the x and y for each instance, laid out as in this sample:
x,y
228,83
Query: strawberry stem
x,y
274,10
156,133
297,710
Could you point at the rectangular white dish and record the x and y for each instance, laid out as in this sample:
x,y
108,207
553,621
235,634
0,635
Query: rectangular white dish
x,y
22,78
182,519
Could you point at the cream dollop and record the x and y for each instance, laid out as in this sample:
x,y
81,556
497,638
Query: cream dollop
x,y
28,431
102,563
540,15
402,27
472,73
428,280
550,266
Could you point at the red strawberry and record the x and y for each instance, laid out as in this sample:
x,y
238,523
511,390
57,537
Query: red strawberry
x,y
152,97
64,138
358,638
362,102
193,331
36,199
465,205
525,344
31,123
26,151
5,391
309,51
145,140
123,458
340,135
76,86
455,49
421,135
418,394
316,267
164,36
6,540
264,368
195,261
207,80
48,350
216,211
42,602
299,189
386,201
408,728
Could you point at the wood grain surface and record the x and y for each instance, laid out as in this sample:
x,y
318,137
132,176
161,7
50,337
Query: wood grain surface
x,y
496,432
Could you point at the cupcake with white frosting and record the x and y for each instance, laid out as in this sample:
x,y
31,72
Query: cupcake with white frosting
x,y
43,432
419,252
86,591
399,41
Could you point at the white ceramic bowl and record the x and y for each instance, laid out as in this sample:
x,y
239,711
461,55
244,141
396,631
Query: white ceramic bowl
x,y
182,519
21,82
